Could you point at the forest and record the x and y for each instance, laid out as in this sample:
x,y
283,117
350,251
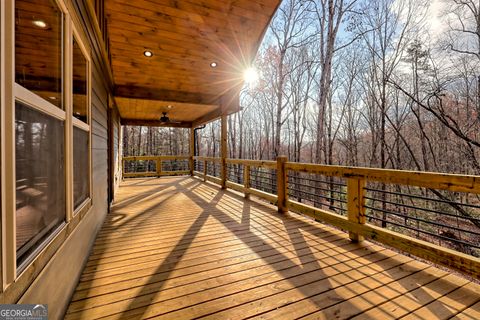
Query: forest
x,y
387,84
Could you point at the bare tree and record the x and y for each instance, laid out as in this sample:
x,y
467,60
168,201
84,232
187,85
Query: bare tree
x,y
290,31
329,15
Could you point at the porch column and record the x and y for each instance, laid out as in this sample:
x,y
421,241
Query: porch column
x,y
224,151
192,150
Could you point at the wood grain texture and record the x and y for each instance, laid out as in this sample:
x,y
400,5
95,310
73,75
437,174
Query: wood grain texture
x,y
356,204
152,109
443,181
185,38
462,262
177,248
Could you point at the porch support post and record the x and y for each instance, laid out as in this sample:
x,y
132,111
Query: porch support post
x,y
224,151
192,150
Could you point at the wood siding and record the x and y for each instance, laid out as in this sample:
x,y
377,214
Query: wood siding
x,y
57,281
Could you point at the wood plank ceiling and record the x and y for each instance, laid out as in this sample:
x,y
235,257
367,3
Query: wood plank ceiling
x,y
185,37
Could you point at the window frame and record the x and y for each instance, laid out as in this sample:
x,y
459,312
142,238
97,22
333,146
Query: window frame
x,y
44,106
3,73
77,122
13,277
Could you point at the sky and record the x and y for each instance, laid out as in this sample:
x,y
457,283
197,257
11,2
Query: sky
x,y
435,25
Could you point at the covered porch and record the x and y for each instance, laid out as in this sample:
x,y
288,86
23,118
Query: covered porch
x,y
180,248
191,236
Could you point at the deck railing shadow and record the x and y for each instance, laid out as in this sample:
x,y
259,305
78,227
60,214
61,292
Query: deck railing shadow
x,y
137,220
118,205
404,282
299,264
356,277
232,225
298,277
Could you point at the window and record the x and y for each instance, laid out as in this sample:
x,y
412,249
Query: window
x,y
81,181
81,130
80,103
39,49
40,151
40,177
45,118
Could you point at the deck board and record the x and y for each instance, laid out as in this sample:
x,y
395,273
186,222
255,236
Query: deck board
x,y
178,248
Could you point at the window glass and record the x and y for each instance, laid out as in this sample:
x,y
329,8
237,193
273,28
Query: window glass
x,y
40,178
79,84
38,48
81,167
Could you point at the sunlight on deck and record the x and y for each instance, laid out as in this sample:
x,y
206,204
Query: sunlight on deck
x,y
178,248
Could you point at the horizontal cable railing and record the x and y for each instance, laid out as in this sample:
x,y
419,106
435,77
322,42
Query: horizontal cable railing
x,y
151,166
431,215
329,193
210,168
443,217
235,173
264,179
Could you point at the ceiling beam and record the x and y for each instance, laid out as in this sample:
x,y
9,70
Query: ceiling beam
x,y
212,115
154,123
229,103
165,95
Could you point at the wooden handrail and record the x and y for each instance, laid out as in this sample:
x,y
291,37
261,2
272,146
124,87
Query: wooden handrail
x,y
209,159
138,158
158,165
443,181
355,222
254,163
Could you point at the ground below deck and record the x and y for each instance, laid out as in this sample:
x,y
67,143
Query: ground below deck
x,y
178,248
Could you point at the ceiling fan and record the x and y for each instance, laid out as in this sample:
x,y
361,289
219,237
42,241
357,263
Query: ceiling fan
x,y
165,119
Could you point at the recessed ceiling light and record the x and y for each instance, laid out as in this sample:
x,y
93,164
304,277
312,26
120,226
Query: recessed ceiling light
x,y
213,64
52,98
169,106
39,23
147,53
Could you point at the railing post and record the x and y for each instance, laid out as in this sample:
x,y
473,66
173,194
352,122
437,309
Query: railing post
x,y
191,165
282,185
192,151
204,170
356,204
246,181
158,163
123,169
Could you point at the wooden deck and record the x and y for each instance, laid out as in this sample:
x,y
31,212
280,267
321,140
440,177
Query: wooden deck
x,y
178,248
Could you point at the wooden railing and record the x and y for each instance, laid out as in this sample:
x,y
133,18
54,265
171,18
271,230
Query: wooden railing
x,y
149,166
357,190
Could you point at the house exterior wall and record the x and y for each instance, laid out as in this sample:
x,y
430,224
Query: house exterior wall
x,y
57,281
53,275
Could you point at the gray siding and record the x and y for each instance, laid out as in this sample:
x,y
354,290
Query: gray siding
x,y
57,281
